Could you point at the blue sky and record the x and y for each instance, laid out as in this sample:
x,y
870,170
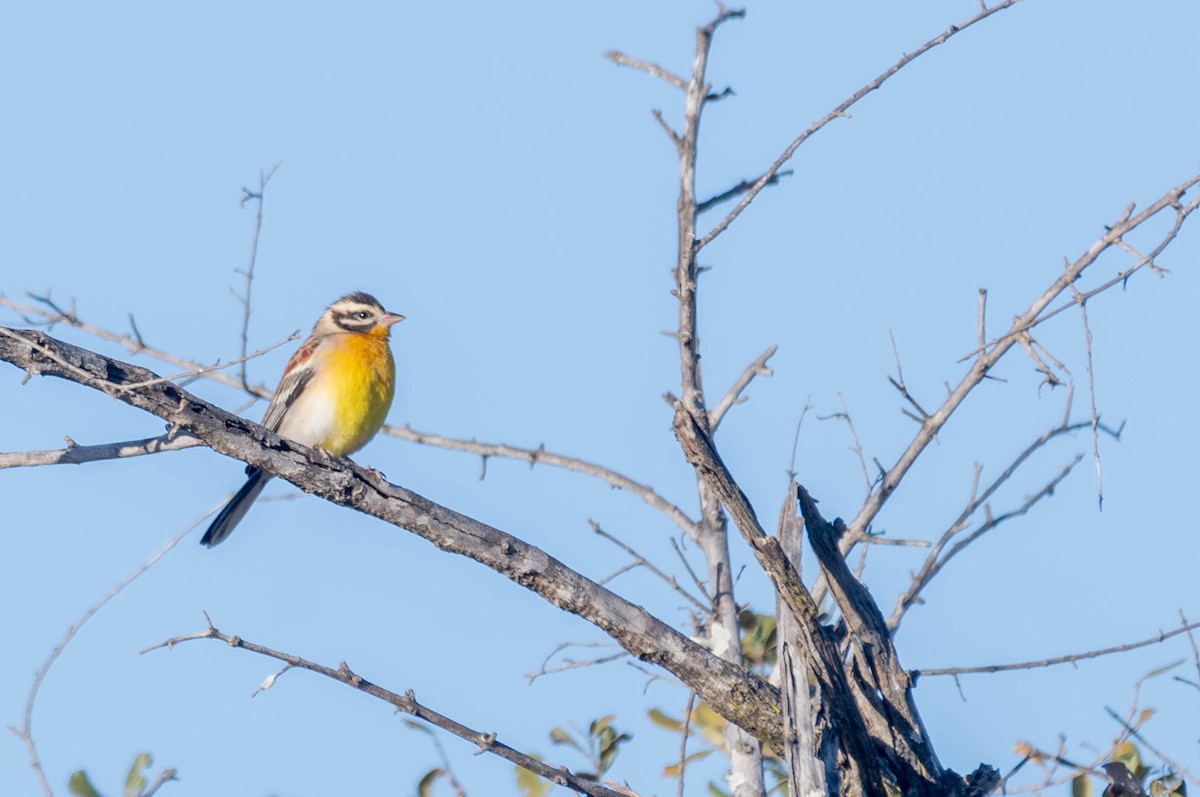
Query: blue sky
x,y
484,171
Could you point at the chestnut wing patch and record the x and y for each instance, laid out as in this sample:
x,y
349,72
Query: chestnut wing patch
x,y
296,376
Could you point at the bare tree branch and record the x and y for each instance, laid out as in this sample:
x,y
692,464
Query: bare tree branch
x,y
408,704
646,563
936,560
683,740
734,394
985,360
745,750
652,69
737,190
247,195
840,112
1095,418
574,664
738,695
1175,766
50,315
540,455
1071,658
75,454
25,732
55,315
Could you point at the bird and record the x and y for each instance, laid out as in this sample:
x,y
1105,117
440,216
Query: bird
x,y
334,394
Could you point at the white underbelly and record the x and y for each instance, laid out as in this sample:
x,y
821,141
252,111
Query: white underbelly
x,y
312,419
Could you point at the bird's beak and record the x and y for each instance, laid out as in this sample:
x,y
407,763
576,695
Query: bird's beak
x,y
391,318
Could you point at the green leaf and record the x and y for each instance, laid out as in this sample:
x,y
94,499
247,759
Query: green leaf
x,y
663,721
1081,786
135,783
532,785
600,724
80,786
425,785
560,736
608,752
1127,754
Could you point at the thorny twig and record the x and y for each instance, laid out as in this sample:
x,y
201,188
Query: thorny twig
x,y
406,703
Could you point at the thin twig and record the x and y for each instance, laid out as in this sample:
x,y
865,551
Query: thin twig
x,y
936,560
1095,420
1072,658
1195,650
700,584
163,777
75,454
1175,766
838,113
56,315
545,669
898,383
734,394
575,664
406,703
447,769
986,360
683,740
207,369
25,733
855,446
791,472
652,69
540,455
644,562
247,195
737,190
982,316
1182,212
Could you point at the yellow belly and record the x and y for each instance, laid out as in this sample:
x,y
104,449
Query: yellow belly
x,y
360,380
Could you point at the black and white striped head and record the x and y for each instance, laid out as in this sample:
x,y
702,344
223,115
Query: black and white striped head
x,y
357,312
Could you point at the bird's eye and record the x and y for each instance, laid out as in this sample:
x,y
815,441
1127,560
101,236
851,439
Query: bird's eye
x,y
363,315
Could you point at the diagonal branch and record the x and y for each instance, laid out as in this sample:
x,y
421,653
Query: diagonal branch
x,y
1072,658
737,190
936,559
408,704
540,455
734,394
51,314
839,112
737,694
986,359
650,68
25,732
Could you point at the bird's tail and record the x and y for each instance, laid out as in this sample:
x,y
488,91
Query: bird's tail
x,y
228,518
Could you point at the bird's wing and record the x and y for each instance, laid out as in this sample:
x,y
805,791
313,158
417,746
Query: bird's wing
x,y
296,376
